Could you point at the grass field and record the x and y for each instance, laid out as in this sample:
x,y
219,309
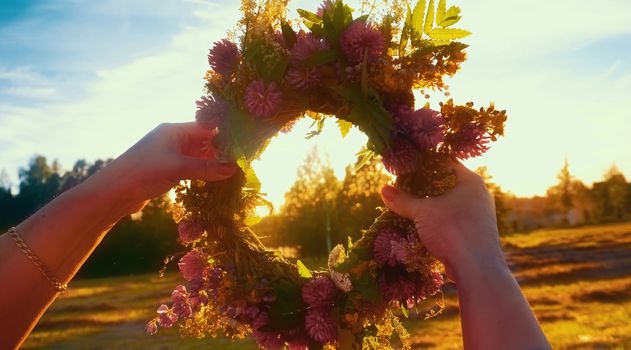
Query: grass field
x,y
577,280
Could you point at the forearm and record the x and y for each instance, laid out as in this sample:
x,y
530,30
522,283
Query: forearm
x,y
62,234
494,313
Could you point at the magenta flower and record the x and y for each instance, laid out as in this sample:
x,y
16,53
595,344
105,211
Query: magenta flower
x,y
152,327
190,230
326,7
224,57
319,292
269,340
425,127
306,46
396,284
192,265
387,247
361,37
471,141
400,157
211,111
303,78
262,99
166,317
320,326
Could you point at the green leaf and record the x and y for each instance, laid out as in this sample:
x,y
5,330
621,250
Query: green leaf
x,y
322,57
288,34
429,19
303,271
251,180
344,126
288,310
277,73
405,32
417,16
448,33
339,16
366,157
405,311
440,11
452,16
309,16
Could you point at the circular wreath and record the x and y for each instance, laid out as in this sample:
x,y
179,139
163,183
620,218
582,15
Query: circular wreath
x,y
362,71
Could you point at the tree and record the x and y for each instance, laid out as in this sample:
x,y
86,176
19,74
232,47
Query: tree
x,y
310,208
610,196
360,196
501,205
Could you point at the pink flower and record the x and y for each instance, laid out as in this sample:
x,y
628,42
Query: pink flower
x,y
387,247
306,46
262,99
470,141
224,57
166,317
396,284
190,230
362,37
319,292
152,327
269,340
303,78
400,157
425,127
320,326
211,111
192,265
326,7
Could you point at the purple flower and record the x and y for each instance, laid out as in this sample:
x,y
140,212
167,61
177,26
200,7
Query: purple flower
x,y
262,99
400,157
166,317
224,57
326,7
269,340
303,78
361,37
396,284
470,141
319,292
425,127
211,111
152,327
306,46
320,326
190,230
387,248
192,265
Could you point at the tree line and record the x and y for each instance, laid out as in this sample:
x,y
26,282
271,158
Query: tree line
x,y
319,211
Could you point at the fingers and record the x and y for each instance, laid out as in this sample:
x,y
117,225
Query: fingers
x,y
192,168
402,203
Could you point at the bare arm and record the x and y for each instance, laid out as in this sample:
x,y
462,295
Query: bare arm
x,y
64,233
461,230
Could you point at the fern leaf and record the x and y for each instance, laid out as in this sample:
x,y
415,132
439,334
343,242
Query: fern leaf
x,y
448,33
452,16
429,19
440,11
417,16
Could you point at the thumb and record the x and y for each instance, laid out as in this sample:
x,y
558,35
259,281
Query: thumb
x,y
193,168
400,202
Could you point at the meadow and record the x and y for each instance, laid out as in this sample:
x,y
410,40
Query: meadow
x,y
578,281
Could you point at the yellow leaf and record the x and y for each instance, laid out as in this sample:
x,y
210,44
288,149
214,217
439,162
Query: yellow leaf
x,y
448,33
429,19
440,11
252,220
303,271
417,16
452,16
344,126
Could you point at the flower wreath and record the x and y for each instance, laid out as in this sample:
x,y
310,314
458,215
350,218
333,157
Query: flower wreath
x,y
363,71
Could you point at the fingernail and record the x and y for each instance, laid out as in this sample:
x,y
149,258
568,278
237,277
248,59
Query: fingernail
x,y
389,193
227,169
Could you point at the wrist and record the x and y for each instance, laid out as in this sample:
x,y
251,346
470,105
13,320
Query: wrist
x,y
113,191
476,267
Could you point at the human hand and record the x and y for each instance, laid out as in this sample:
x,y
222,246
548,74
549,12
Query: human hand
x,y
159,161
459,227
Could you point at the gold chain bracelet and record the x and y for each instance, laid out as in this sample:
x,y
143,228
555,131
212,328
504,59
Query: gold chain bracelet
x,y
60,287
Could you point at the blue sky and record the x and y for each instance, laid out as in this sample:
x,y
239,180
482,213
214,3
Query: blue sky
x,y
83,79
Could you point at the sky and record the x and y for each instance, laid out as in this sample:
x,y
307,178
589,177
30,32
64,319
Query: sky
x,y
86,79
